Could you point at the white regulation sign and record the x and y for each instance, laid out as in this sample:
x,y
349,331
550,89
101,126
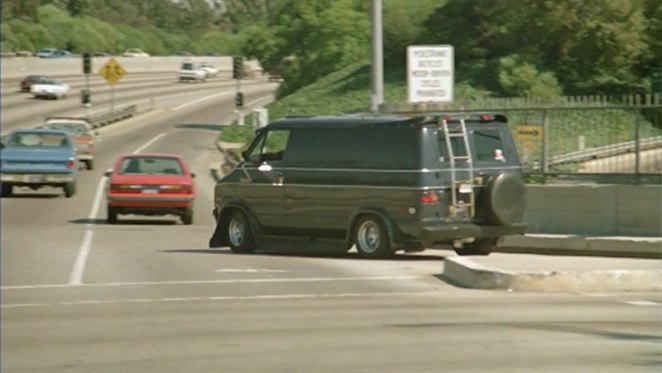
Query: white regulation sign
x,y
430,73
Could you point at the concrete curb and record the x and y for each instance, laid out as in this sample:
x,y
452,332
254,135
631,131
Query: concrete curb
x,y
464,272
560,244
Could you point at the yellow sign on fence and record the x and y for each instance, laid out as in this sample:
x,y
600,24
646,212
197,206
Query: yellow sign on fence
x,y
112,71
529,133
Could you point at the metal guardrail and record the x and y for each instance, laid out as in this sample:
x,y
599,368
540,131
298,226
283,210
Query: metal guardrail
x,y
105,119
607,151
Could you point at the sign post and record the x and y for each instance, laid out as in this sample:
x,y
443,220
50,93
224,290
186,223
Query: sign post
x,y
430,73
112,71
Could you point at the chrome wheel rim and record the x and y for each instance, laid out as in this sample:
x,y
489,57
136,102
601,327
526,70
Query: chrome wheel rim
x,y
369,237
236,232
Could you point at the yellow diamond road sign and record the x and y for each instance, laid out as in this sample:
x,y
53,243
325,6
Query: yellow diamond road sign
x,y
112,71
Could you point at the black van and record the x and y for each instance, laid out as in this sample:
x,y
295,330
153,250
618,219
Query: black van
x,y
381,183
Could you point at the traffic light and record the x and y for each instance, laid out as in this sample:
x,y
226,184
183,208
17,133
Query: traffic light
x,y
85,97
239,99
87,62
237,67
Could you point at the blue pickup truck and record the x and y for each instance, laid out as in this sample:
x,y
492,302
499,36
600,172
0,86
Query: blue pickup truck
x,y
37,158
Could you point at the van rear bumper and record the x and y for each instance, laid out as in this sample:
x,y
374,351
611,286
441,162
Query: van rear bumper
x,y
450,232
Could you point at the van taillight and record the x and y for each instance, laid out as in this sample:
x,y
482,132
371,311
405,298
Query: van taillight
x,y
429,198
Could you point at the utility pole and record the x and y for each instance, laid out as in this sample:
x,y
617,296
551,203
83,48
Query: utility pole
x,y
377,96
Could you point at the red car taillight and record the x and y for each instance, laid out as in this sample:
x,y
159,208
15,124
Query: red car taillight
x,y
176,189
125,188
71,163
429,198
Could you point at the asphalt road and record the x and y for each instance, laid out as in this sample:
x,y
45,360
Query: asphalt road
x,y
146,295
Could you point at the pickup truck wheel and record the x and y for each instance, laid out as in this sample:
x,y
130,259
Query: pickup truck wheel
x,y
7,190
111,216
89,164
69,189
371,238
240,237
483,246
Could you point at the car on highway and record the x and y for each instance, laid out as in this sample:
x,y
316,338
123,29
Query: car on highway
x,y
45,52
58,53
38,158
29,80
211,70
191,71
50,88
380,183
84,136
151,184
135,52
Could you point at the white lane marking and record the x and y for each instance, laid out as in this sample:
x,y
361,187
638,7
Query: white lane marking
x,y
76,276
201,99
250,270
150,142
218,298
202,282
642,303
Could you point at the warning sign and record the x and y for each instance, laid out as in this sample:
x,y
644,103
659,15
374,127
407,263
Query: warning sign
x,y
529,133
112,71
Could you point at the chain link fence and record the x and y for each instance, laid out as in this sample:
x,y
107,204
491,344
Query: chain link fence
x,y
588,138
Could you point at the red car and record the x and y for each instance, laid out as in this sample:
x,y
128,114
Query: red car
x,y
150,184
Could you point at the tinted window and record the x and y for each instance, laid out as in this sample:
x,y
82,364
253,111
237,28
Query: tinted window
x,y
369,147
488,145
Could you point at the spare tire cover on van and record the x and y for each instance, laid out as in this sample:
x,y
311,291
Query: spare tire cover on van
x,y
505,198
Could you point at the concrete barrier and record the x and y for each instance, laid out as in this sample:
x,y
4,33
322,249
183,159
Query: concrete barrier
x,y
17,67
595,210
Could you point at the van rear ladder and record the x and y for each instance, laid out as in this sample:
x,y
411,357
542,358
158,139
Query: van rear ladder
x,y
457,204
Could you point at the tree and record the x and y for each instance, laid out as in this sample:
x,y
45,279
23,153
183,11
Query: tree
x,y
522,79
307,39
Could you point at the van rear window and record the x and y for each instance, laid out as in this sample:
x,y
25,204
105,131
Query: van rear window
x,y
487,146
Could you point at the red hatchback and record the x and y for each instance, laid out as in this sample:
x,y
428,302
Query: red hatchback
x,y
150,184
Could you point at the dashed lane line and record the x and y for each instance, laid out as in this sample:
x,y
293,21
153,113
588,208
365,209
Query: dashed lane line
x,y
211,282
76,276
218,298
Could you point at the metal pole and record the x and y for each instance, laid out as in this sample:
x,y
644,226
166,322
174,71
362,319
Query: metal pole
x,y
377,96
637,146
545,142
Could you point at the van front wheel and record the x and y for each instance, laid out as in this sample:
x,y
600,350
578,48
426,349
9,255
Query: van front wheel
x,y
371,238
240,237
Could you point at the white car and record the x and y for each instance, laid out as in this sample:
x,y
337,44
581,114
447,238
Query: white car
x,y
135,52
50,88
209,68
192,72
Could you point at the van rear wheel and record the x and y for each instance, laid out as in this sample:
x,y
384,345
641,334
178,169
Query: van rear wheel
x,y
240,236
483,246
371,238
